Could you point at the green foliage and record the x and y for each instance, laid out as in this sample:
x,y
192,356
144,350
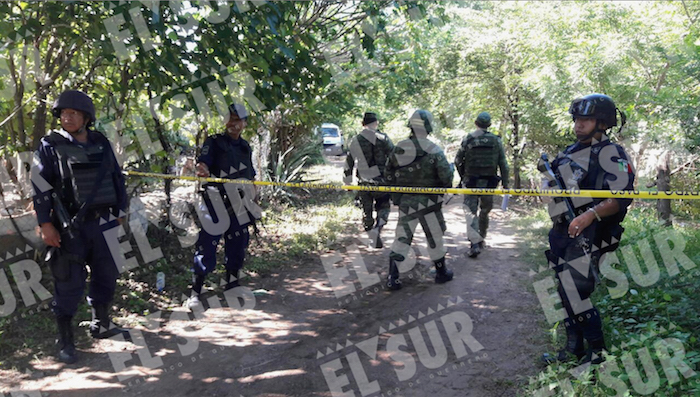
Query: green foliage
x,y
289,167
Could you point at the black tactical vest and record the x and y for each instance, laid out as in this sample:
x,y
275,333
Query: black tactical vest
x,y
79,167
481,155
232,159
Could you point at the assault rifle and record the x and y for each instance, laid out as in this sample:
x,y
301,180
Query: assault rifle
x,y
65,223
544,166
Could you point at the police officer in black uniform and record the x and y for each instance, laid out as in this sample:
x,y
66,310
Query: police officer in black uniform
x,y
224,208
577,245
79,176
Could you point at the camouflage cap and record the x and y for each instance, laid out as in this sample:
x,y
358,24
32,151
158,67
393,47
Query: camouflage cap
x,y
483,120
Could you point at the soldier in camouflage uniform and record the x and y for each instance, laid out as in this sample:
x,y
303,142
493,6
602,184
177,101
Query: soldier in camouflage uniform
x,y
370,150
419,162
478,159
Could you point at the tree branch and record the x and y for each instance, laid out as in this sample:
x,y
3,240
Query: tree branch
x,y
687,13
84,81
677,170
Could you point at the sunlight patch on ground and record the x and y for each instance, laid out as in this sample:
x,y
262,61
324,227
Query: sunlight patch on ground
x,y
302,287
326,172
245,328
272,375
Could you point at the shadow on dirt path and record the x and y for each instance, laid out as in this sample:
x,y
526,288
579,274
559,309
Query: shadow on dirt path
x,y
477,335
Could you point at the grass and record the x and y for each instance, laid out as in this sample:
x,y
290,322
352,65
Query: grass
x,y
634,323
298,233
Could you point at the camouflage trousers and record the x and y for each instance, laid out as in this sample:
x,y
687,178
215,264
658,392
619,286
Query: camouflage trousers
x,y
477,224
374,201
431,220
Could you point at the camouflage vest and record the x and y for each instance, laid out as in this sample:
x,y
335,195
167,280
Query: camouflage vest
x,y
376,154
481,154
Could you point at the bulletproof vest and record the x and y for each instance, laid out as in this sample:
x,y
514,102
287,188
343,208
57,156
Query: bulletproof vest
x,y
79,167
421,172
579,168
571,167
481,155
232,160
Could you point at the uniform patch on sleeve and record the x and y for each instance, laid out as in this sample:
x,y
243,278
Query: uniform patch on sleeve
x,y
624,166
205,150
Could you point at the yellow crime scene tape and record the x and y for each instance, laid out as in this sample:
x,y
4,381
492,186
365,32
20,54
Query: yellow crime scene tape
x,y
632,194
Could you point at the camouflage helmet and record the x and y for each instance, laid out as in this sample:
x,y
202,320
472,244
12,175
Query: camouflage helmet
x,y
597,106
483,120
77,100
421,120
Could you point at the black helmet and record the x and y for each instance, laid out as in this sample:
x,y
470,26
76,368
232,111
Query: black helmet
x,y
77,100
421,119
598,106
239,110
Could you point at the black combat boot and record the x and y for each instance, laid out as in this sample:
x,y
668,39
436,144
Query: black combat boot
x,y
574,349
232,279
442,273
66,341
594,354
197,284
475,250
102,327
375,235
393,282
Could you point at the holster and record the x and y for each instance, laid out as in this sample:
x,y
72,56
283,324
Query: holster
x,y
60,261
229,204
615,231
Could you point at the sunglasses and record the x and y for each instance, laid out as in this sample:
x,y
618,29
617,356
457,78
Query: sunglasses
x,y
582,107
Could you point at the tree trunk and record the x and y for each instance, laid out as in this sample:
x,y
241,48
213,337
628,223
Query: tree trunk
x,y
663,182
165,161
39,118
21,140
514,115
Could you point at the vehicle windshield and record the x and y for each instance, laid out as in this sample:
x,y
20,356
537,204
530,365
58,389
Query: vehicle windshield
x,y
330,132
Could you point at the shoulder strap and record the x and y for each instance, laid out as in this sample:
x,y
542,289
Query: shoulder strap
x,y
101,174
467,140
371,162
55,140
600,179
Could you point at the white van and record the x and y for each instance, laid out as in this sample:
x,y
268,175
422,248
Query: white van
x,y
333,141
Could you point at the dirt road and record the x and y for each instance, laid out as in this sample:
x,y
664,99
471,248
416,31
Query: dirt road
x,y
478,335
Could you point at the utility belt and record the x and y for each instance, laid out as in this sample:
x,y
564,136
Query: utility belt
x,y
100,212
208,190
482,181
607,231
560,220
